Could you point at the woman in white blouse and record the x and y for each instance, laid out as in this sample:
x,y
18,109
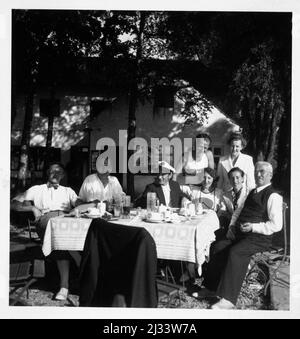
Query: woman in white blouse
x,y
236,159
191,172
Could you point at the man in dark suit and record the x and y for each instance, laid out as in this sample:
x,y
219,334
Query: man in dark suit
x,y
167,190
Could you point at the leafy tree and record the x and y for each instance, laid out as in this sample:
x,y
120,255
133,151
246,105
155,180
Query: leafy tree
x,y
45,35
261,104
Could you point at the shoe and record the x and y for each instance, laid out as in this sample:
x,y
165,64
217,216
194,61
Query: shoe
x,y
204,293
62,294
223,304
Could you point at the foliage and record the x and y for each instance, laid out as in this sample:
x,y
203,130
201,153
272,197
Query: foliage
x,y
255,86
196,106
245,60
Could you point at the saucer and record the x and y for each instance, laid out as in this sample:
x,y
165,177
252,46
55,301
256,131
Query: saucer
x,y
153,220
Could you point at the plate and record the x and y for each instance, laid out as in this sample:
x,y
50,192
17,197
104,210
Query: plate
x,y
153,221
92,216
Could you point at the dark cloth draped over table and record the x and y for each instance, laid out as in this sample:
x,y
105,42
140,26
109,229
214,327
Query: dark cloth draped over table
x,y
118,260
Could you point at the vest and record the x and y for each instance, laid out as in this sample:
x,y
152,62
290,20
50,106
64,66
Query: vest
x,y
255,209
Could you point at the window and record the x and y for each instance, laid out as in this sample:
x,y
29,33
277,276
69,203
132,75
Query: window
x,y
163,99
217,152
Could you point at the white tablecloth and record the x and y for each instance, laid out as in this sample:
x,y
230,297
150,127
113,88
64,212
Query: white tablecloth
x,y
188,240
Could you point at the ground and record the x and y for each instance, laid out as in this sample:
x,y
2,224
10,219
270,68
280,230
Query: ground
x,y
42,293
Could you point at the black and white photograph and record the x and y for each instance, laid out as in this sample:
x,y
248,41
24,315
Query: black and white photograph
x,y
149,162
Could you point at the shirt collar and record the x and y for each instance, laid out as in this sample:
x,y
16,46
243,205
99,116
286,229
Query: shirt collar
x,y
166,187
258,189
55,186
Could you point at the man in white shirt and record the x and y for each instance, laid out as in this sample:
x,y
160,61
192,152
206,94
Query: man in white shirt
x,y
100,186
261,216
50,200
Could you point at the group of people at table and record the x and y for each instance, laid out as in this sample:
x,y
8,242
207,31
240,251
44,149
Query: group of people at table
x,y
248,207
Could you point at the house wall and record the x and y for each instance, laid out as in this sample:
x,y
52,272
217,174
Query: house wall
x,y
70,127
166,123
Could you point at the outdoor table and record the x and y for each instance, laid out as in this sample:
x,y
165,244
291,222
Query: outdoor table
x,y
185,240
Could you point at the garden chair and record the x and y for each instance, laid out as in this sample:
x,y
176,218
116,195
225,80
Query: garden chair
x,y
268,258
23,275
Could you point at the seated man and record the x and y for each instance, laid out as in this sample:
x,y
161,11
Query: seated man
x,y
100,186
167,191
50,200
261,216
234,198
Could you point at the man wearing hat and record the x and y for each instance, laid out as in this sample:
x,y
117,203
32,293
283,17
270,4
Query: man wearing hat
x,y
167,190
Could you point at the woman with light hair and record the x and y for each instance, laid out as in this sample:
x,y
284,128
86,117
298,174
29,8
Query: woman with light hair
x,y
191,172
236,159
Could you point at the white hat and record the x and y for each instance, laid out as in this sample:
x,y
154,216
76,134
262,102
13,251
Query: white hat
x,y
164,164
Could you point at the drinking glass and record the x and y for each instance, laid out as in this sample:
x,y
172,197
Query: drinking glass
x,y
117,210
126,206
151,201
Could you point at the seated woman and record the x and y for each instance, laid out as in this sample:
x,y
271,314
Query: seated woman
x,y
100,186
210,197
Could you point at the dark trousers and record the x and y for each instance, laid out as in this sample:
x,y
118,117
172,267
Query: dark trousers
x,y
229,262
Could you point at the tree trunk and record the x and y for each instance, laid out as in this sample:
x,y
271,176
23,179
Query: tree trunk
x,y
24,171
133,100
49,133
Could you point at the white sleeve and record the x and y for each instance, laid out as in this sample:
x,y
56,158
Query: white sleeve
x,y
117,187
250,176
83,191
30,194
274,224
72,196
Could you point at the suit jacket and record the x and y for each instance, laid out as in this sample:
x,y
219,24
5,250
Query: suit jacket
x,y
176,194
245,163
118,261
